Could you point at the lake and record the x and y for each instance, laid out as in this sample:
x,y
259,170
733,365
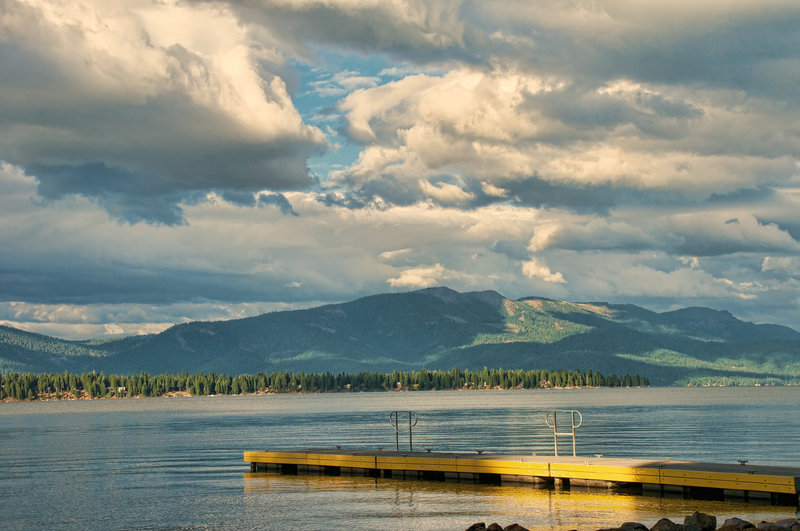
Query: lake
x,y
176,463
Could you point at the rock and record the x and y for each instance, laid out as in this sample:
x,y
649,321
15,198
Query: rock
x,y
705,522
733,524
788,523
515,527
480,526
665,524
633,526
494,527
770,526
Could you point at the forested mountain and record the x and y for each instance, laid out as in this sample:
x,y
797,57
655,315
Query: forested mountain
x,y
439,328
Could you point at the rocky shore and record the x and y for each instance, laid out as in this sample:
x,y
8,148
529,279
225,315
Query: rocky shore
x,y
694,522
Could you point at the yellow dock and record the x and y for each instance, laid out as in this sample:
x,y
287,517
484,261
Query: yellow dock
x,y
693,480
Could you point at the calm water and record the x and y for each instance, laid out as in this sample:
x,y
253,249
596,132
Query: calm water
x,y
176,463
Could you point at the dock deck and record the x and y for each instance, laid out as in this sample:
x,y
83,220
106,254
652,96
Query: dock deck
x,y
693,480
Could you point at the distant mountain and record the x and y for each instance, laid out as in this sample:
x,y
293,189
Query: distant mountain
x,y
438,328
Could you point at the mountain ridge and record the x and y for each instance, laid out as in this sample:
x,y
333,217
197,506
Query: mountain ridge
x,y
440,328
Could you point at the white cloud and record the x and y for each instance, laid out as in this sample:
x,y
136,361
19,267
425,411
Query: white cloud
x,y
397,255
535,268
500,124
492,190
783,264
445,192
420,277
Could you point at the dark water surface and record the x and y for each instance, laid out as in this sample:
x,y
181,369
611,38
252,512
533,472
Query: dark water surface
x,y
176,463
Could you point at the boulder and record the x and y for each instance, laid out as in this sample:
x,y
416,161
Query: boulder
x,y
734,524
770,526
705,522
515,527
788,523
494,527
665,524
479,526
633,526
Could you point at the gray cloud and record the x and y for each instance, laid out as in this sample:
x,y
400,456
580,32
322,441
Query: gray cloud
x,y
417,30
278,200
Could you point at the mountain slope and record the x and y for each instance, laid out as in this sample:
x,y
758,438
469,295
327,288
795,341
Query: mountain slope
x,y
441,328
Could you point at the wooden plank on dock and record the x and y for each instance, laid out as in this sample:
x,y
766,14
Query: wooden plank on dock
x,y
746,478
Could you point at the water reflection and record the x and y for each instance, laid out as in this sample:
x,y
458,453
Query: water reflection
x,y
393,503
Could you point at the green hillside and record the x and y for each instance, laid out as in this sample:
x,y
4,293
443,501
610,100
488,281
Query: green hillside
x,y
439,328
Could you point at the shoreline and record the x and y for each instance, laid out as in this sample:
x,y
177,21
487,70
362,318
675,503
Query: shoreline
x,y
70,397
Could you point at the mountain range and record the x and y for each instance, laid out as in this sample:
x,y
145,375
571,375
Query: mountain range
x,y
439,328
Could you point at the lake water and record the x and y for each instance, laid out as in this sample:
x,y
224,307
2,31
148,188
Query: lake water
x,y
176,463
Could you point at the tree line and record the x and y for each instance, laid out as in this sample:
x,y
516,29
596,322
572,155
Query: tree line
x,y
31,386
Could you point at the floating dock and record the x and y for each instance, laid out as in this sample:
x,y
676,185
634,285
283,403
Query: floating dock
x,y
693,480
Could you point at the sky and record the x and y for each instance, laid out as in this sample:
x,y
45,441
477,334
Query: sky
x,y
169,161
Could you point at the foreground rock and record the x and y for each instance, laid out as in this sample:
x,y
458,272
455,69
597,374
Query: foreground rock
x,y
480,526
694,522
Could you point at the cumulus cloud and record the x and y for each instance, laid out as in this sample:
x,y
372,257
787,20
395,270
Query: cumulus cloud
x,y
420,277
445,192
501,126
534,268
136,105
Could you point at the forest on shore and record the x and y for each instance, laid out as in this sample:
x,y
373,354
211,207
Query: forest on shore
x,y
69,386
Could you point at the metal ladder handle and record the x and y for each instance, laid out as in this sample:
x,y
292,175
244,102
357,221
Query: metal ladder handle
x,y
580,420
394,419
554,413
412,421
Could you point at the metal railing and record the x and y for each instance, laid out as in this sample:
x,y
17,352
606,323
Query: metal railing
x,y
399,417
553,416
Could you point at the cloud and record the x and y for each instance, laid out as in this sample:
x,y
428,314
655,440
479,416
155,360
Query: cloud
x,y
789,265
420,277
139,105
415,29
105,320
548,141
534,268
693,233
341,83
445,192
278,200
614,150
